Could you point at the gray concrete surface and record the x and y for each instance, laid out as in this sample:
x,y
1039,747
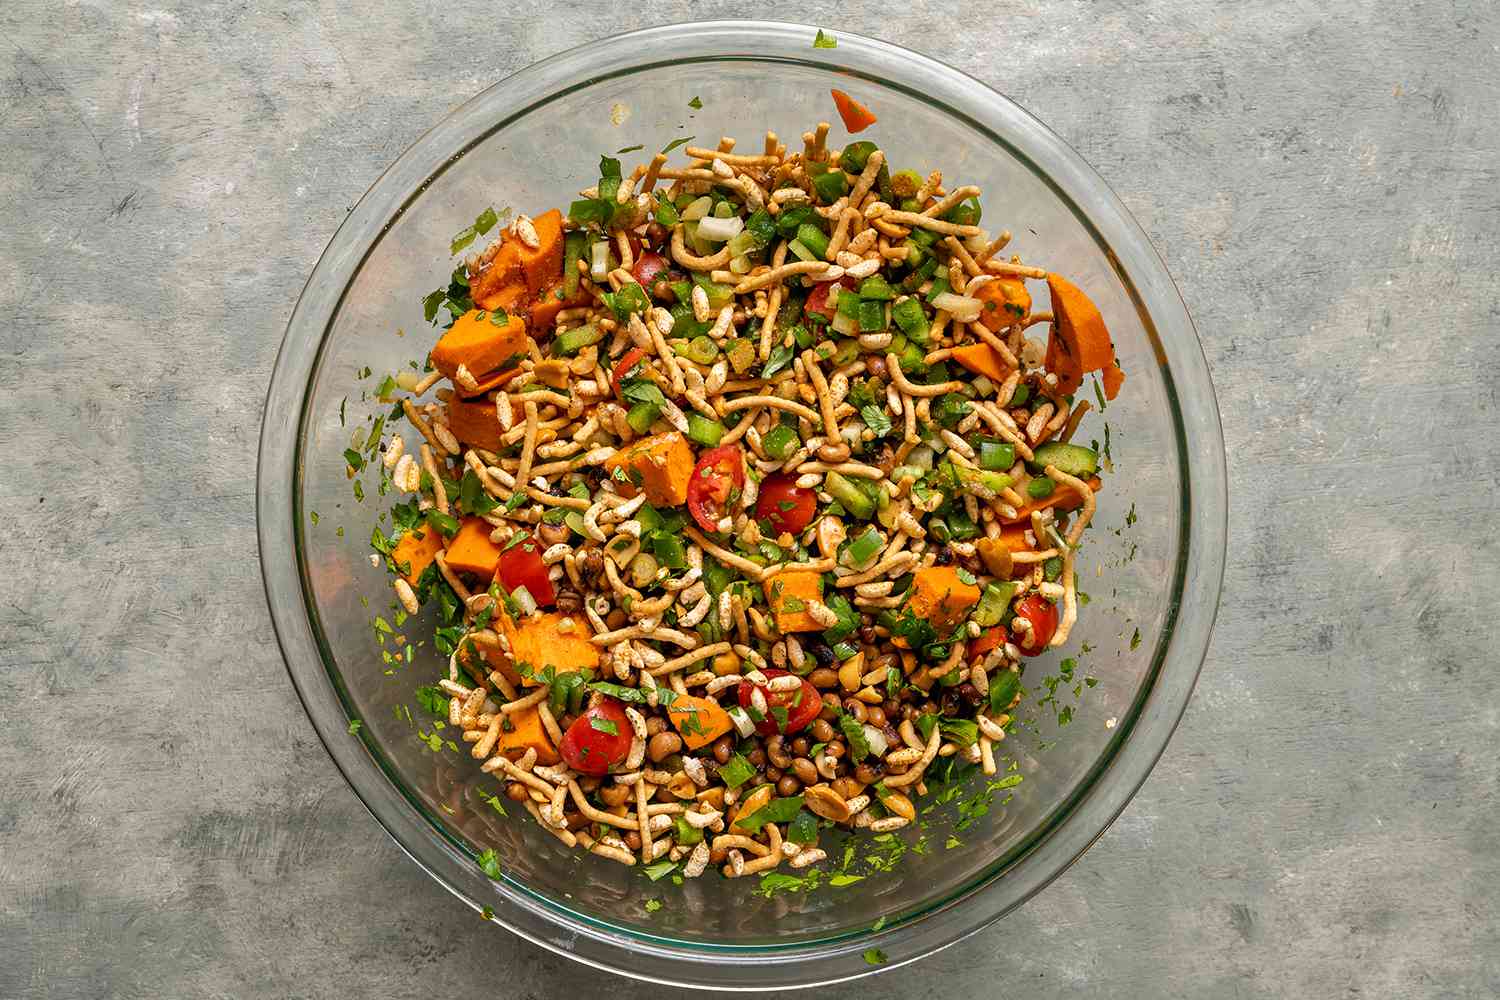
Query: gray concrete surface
x,y
1324,181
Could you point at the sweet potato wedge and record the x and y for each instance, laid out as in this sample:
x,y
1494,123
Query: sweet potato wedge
x,y
1079,341
700,721
474,422
1006,302
471,550
788,593
482,341
502,272
543,641
982,359
415,551
1062,498
528,733
660,465
542,267
939,596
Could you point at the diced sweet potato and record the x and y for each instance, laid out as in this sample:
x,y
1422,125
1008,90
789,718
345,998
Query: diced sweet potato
x,y
480,344
543,266
502,272
474,422
547,305
471,550
415,551
1079,341
1062,498
788,593
939,596
699,720
660,465
1006,302
982,359
483,386
528,733
511,299
543,641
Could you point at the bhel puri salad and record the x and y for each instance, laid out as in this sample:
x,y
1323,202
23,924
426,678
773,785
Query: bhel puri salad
x,y
742,489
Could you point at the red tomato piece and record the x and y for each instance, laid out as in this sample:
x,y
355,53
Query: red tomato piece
x,y
521,566
598,739
719,473
628,361
990,640
802,704
1042,614
785,505
649,269
817,299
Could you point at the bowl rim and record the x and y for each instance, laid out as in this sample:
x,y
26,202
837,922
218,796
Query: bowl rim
x,y
1180,649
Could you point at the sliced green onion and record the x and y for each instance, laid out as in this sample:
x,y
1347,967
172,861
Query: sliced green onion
x,y
717,230
704,431
796,249
599,261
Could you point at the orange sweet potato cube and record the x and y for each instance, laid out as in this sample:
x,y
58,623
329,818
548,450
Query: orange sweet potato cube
x,y
939,596
788,593
661,465
544,640
501,273
982,359
1006,302
415,550
527,733
542,267
471,550
481,342
475,422
699,720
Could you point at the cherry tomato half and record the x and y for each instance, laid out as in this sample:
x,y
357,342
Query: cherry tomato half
x,y
990,640
630,359
787,506
802,704
598,739
719,472
1042,614
817,299
521,566
649,269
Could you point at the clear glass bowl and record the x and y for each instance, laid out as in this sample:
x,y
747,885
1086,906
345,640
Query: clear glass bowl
x,y
530,142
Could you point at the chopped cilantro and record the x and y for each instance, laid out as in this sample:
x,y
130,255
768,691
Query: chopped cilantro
x,y
678,142
605,725
822,41
876,419
660,870
489,863
874,956
695,103
355,726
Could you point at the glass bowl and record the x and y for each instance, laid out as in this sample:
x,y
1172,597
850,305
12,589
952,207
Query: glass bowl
x,y
531,142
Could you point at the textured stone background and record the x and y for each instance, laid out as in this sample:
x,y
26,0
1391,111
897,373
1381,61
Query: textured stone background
x,y
1324,181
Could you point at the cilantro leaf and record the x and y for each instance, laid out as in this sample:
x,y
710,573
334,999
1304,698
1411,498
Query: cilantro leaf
x,y
822,41
678,142
489,863
781,358
876,419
